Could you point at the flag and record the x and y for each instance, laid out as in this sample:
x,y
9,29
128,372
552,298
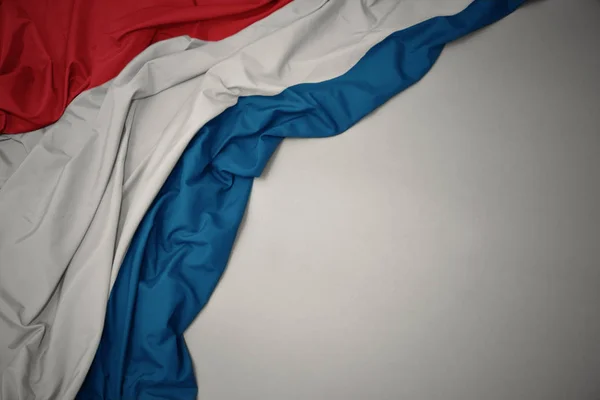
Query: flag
x,y
143,182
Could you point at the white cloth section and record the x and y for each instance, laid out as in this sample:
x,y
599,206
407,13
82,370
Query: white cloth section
x,y
69,210
14,149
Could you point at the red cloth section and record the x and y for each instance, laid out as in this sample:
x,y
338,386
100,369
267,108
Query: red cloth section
x,y
52,50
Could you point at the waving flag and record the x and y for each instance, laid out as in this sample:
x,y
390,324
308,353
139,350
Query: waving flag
x,y
168,151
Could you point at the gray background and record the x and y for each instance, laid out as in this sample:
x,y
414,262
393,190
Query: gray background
x,y
446,247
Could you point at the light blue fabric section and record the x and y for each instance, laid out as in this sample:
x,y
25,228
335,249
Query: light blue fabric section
x,y
183,243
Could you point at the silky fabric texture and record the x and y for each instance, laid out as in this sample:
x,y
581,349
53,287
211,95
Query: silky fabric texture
x,y
52,51
79,195
183,243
